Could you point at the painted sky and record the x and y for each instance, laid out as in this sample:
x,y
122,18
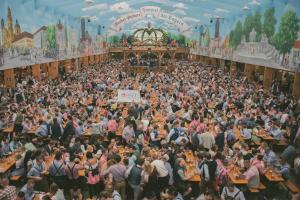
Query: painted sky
x,y
32,14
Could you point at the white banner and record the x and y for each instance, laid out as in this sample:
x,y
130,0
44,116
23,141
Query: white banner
x,y
156,12
129,96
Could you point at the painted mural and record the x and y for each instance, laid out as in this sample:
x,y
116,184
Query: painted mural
x,y
259,32
55,37
268,36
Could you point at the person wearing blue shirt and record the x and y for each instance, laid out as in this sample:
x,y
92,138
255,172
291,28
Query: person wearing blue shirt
x,y
36,173
14,144
42,131
79,129
276,133
283,168
5,149
269,156
246,133
28,190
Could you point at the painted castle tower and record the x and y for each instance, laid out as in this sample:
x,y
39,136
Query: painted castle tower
x,y
9,32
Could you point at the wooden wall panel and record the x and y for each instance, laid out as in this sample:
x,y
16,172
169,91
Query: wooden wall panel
x,y
296,86
53,70
9,78
36,71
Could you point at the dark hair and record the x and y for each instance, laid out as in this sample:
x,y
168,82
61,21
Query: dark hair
x,y
58,155
21,195
54,120
53,188
89,155
117,158
259,157
72,157
208,156
27,157
141,161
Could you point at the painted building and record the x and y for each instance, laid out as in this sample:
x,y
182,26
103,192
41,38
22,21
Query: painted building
x,y
39,38
72,40
24,40
295,53
60,36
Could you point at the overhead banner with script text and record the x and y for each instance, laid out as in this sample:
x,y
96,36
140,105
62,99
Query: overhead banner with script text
x,y
128,96
143,12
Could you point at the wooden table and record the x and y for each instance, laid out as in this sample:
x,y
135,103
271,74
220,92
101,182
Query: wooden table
x,y
263,135
7,163
8,129
273,176
233,173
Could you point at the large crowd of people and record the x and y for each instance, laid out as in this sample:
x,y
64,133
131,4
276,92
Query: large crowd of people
x,y
194,127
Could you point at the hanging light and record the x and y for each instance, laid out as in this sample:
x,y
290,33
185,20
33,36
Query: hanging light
x,y
246,8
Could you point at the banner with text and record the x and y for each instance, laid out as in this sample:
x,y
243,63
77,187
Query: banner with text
x,y
129,96
156,12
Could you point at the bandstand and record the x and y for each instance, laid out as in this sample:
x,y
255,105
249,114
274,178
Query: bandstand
x,y
149,51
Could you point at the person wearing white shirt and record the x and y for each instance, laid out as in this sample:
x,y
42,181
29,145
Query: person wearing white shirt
x,y
230,191
128,133
207,140
163,173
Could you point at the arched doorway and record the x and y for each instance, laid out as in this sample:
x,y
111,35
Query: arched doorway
x,y
132,59
149,59
166,59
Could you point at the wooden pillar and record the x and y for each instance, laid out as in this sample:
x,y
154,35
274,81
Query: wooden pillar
x,y
76,64
67,65
269,74
9,78
296,85
233,68
53,70
85,61
97,59
36,71
124,59
278,75
248,71
213,61
222,64
92,60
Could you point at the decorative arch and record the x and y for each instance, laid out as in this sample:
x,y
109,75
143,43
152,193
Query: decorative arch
x,y
149,36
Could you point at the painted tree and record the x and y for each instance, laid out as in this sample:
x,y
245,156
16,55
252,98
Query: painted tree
x,y
231,36
181,40
66,37
114,40
236,35
284,39
257,25
130,39
248,26
269,22
51,37
123,37
167,38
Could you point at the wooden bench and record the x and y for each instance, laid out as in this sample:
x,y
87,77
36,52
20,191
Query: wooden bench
x,y
15,178
254,190
292,187
261,186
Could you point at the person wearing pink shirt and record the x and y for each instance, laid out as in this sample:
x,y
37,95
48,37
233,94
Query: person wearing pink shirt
x,y
112,127
259,163
193,124
201,126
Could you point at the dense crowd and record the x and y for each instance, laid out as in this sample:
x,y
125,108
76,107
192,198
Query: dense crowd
x,y
139,150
